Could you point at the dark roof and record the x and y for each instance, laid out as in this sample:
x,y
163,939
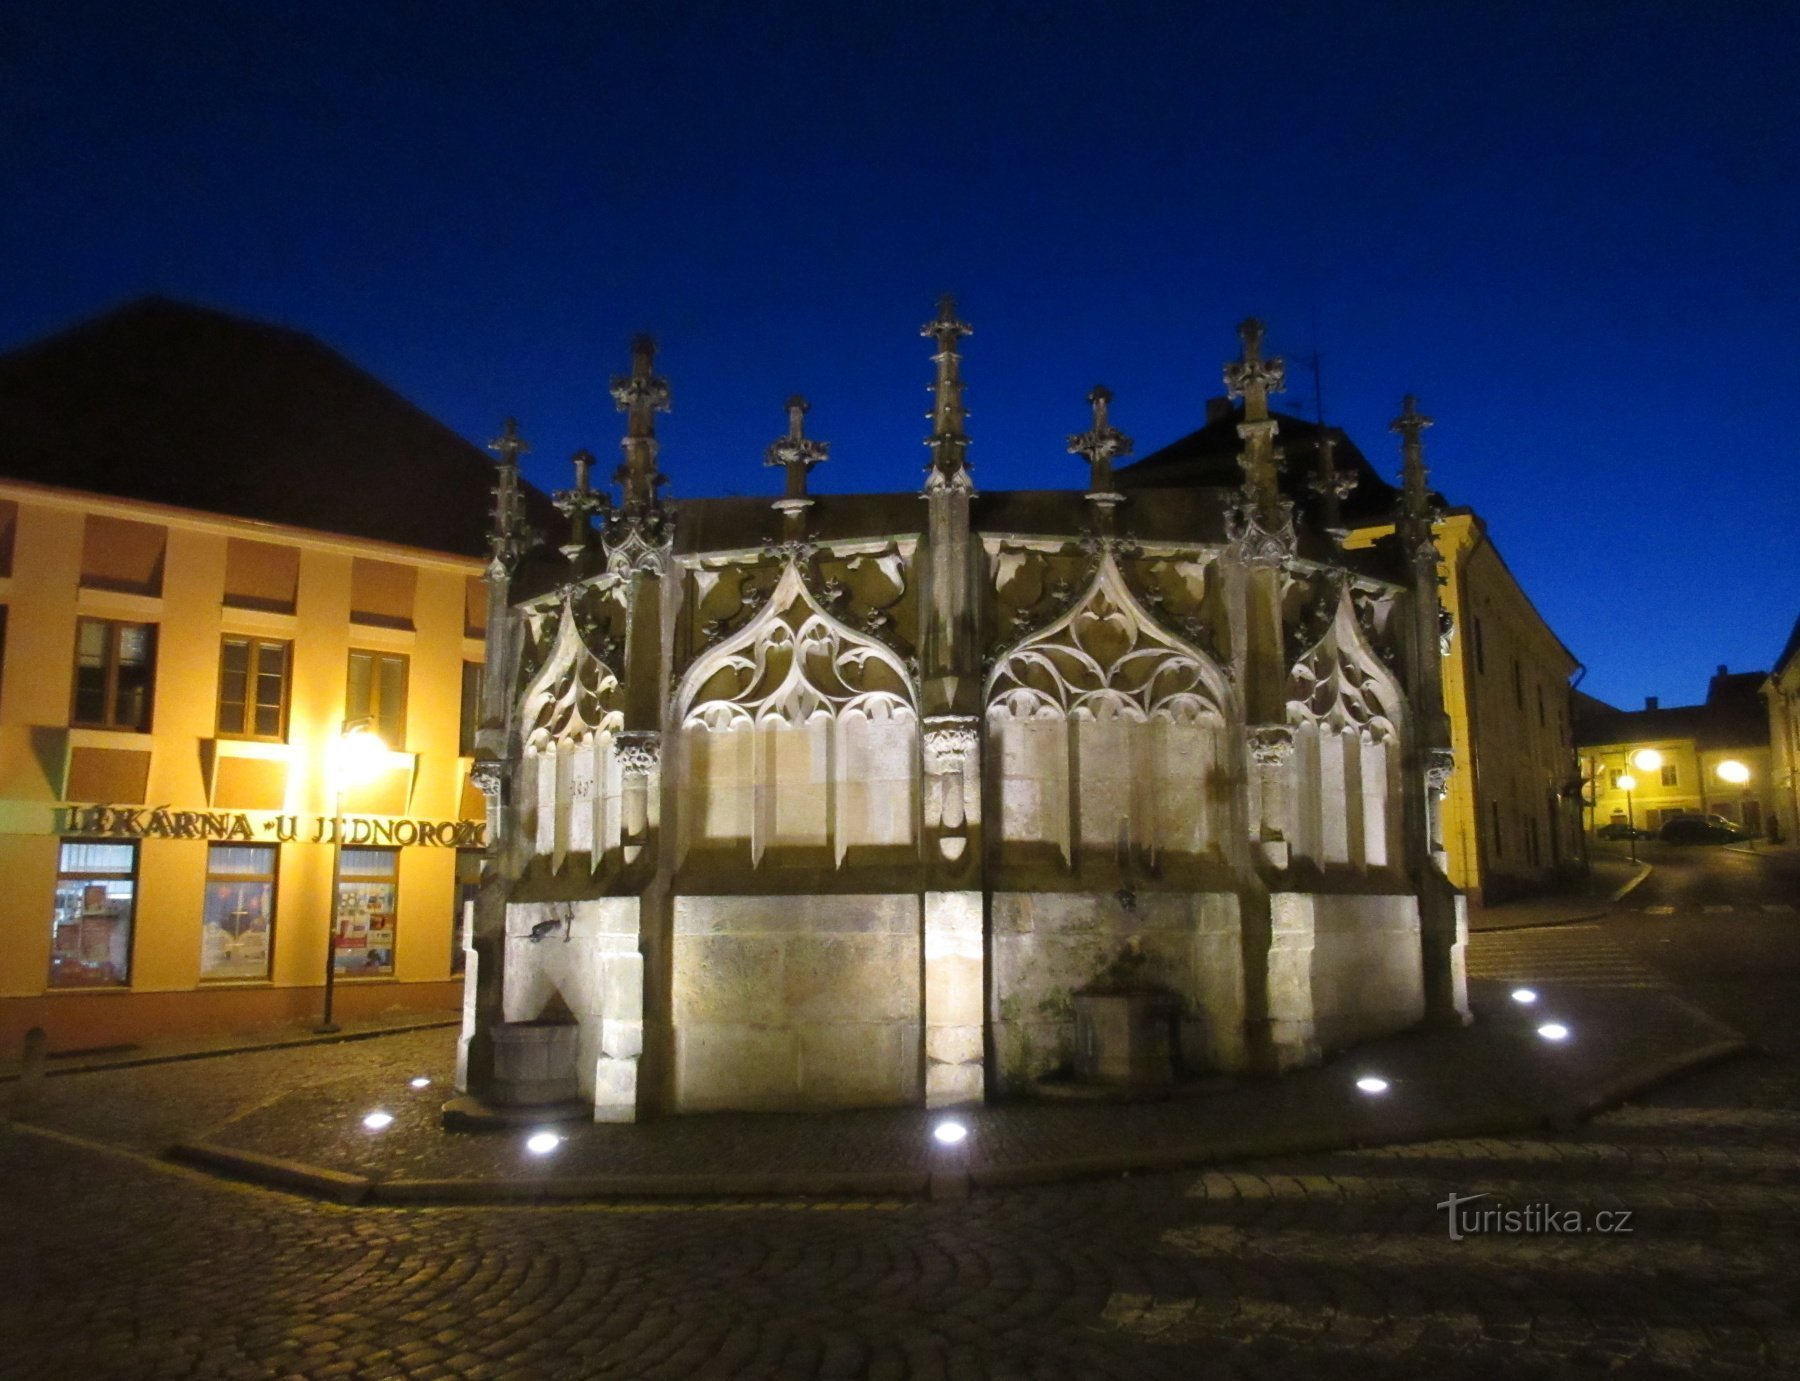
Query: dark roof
x,y
1209,457
1732,717
182,405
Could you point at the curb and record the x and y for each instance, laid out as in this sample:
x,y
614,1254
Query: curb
x,y
1655,1072
1644,871
274,1171
1537,925
254,1048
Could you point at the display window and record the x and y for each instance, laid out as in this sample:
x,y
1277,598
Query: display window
x,y
368,895
90,930
238,923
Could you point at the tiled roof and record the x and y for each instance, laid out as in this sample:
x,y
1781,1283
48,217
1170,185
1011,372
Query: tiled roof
x,y
182,405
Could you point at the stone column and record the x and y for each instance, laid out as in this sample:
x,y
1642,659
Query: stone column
x,y
1443,914
954,900
955,974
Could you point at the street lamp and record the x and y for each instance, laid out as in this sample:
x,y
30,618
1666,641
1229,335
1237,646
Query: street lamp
x,y
355,755
1628,784
1646,760
1733,771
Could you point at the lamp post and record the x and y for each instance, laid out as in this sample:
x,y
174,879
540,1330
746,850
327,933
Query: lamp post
x,y
1628,783
355,754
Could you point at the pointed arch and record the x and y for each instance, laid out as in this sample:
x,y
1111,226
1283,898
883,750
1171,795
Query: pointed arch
x,y
1108,731
790,725
1347,709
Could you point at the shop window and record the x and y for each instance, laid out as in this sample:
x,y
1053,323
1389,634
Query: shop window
x,y
90,931
377,695
261,575
471,708
368,889
253,688
239,916
1671,776
468,883
118,554
115,671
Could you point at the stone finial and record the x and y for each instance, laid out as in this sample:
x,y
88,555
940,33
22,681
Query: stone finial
x,y
640,395
506,536
1101,444
797,453
580,502
1331,486
1253,378
949,442
1415,499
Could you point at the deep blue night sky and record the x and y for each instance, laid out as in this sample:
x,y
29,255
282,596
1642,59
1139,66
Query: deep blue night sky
x,y
1570,229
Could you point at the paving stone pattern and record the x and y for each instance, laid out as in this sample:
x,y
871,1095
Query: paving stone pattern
x,y
1339,1264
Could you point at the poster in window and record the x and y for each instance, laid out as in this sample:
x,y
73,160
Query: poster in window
x,y
365,938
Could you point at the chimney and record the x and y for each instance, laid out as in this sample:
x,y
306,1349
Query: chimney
x,y
1722,671
1218,409
1650,703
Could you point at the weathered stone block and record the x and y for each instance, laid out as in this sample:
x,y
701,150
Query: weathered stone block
x,y
728,979
622,1039
733,1066
953,1045
858,978
862,1065
615,1090
949,1086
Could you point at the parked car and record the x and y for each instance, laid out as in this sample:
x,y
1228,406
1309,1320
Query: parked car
x,y
1700,829
1621,831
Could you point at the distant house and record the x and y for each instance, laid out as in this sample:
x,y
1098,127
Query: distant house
x,y
221,545
1648,766
1511,818
1782,694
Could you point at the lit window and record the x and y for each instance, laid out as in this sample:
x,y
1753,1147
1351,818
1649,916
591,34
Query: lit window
x,y
90,932
115,670
368,888
377,695
253,688
239,914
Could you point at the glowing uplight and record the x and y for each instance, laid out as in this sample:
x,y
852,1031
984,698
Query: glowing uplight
x,y
1733,771
542,1143
378,1120
1524,996
1626,782
949,1133
1554,1031
1371,1083
421,1082
1646,760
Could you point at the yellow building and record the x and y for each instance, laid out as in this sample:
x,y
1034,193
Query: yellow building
x,y
1782,694
1511,820
1708,759
1511,816
185,641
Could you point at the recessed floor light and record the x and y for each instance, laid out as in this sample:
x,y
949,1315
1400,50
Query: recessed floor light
x,y
421,1082
949,1133
1371,1083
376,1121
1554,1031
1525,996
542,1143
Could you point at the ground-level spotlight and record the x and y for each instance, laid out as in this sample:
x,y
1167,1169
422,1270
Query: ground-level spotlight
x,y
949,1132
542,1143
1524,996
1554,1031
421,1082
378,1120
1372,1083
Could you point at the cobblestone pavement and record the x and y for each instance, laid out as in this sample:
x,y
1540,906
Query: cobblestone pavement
x,y
117,1266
